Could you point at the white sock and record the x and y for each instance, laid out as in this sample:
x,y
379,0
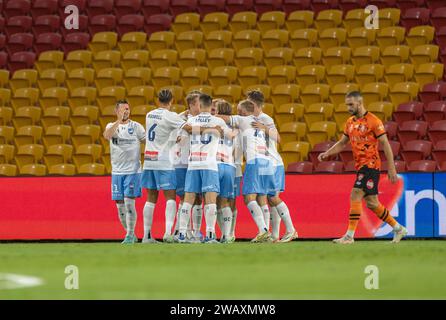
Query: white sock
x,y
233,220
210,216
397,227
257,215
149,207
284,214
189,225
122,214
220,220
184,217
226,214
131,215
177,223
197,217
171,209
266,215
350,233
275,223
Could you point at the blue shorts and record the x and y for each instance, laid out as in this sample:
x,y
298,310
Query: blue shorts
x,y
258,178
279,180
237,183
181,180
126,186
159,179
202,181
226,174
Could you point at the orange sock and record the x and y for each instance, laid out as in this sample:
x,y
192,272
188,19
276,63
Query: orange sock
x,y
385,215
355,214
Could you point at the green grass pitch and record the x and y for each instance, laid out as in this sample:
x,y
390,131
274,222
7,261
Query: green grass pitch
x,y
298,270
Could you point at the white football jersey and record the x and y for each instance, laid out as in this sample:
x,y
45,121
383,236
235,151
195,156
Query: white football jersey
x,y
125,148
203,148
272,145
182,148
225,151
238,155
161,127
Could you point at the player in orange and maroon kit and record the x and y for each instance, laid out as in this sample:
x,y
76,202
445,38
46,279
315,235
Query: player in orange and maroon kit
x,y
364,131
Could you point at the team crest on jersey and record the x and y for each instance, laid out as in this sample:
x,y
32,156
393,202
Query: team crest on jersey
x,y
370,184
131,130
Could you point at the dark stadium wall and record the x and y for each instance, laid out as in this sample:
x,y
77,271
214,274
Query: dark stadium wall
x,y
81,208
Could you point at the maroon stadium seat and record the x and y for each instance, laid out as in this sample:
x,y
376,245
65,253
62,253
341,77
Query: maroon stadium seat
x,y
80,4
438,17
408,111
99,7
404,5
435,111
21,60
125,7
350,166
412,130
44,7
434,4
18,24
320,5
130,23
300,167
3,59
440,37
102,23
20,42
439,152
45,24
158,22
415,17
234,6
422,166
208,6
391,129
47,42
381,4
295,5
262,6
346,155
83,26
317,149
329,167
152,7
399,165
432,92
76,41
442,166
416,150
437,131
2,41
395,145
16,8
182,6
347,5
2,24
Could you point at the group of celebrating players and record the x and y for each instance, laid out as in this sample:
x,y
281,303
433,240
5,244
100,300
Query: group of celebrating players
x,y
197,155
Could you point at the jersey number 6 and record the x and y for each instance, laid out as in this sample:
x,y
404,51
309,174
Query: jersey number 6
x,y
151,133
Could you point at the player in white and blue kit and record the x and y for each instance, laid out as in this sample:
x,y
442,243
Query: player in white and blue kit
x,y
125,136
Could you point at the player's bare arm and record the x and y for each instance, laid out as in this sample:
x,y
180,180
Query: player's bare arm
x,y
335,149
391,172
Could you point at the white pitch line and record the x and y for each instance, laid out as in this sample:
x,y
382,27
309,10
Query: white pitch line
x,y
18,281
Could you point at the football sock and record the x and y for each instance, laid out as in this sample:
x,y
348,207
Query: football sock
x,y
197,216
122,214
220,220
226,224
284,214
385,216
210,215
177,223
171,209
149,207
266,215
257,215
275,223
183,217
131,215
354,216
233,220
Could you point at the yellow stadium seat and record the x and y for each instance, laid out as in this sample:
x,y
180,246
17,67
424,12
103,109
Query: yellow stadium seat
x,y
161,40
109,77
5,115
278,57
58,154
220,57
107,163
178,108
242,21
404,92
340,116
189,40
307,56
82,77
25,97
332,37
318,112
303,38
328,19
281,75
63,169
300,19
400,72
264,88
92,169
310,74
381,109
7,153
336,55
338,92
132,41
26,116
49,60
8,170
246,39
56,134
289,112
137,77
420,35
354,19
87,153
177,92
365,55
5,97
186,22
424,54
84,115
252,75
108,115
361,37
375,91
165,76
248,57
82,96
163,58
86,134
271,20
78,59
294,151
390,36
320,132
50,78
285,93
28,135
6,134
109,96
192,58
135,59
193,76
106,59
35,170
4,78
292,131
267,108
218,39
141,95
340,73
368,73
103,41
230,93
55,116
223,76
24,78
394,54
202,88
389,17
274,39
214,21
314,93
54,97
428,72
28,154
139,113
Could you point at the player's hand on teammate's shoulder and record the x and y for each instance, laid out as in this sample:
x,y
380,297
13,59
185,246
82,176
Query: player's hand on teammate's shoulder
x,y
258,125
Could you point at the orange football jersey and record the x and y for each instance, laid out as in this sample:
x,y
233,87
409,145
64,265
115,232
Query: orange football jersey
x,y
363,134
